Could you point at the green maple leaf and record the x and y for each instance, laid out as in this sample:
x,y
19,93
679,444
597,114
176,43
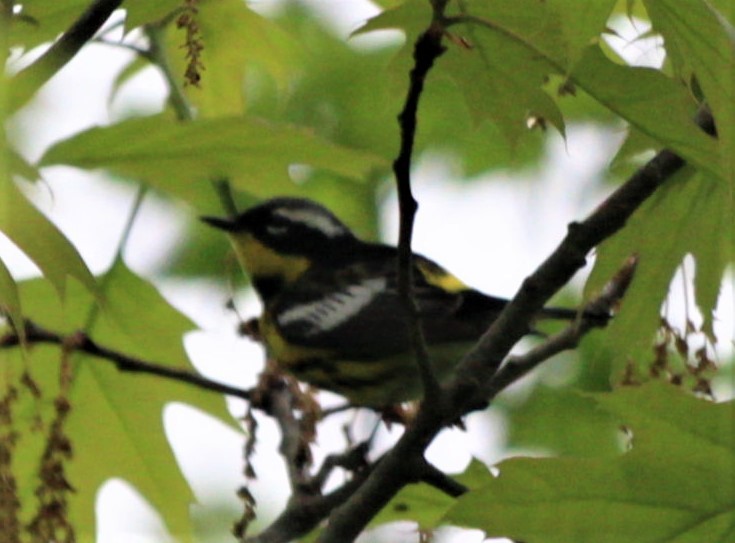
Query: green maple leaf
x,y
677,484
116,421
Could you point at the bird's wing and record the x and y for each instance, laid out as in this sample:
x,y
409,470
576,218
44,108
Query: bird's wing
x,y
357,311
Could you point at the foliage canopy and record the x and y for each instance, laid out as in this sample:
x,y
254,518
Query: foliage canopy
x,y
278,104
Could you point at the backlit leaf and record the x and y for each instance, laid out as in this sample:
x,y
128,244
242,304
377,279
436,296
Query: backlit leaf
x,y
690,207
41,240
174,156
116,423
674,485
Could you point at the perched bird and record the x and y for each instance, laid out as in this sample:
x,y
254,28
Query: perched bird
x,y
333,316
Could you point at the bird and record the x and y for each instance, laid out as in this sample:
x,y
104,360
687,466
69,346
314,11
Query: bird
x,y
333,316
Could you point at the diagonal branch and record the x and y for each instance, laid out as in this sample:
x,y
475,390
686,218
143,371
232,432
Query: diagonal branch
x,y
29,80
481,363
478,368
516,367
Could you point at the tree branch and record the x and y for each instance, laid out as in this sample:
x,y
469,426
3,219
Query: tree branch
x,y
426,50
479,366
516,367
274,396
82,343
304,513
32,78
570,256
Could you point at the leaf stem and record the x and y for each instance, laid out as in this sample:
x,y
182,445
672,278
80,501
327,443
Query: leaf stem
x,y
184,110
118,258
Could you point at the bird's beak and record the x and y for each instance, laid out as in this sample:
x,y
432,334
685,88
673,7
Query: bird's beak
x,y
228,225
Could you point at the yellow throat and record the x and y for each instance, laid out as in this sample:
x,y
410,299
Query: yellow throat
x,y
260,261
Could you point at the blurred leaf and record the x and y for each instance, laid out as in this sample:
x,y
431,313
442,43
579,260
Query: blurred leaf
x,y
352,94
688,208
175,157
582,23
530,37
42,241
675,484
42,21
631,9
116,423
558,32
235,41
642,96
131,69
140,12
9,161
424,504
410,16
495,89
504,36
635,145
20,166
713,257
563,422
420,503
725,8
700,41
10,300
204,254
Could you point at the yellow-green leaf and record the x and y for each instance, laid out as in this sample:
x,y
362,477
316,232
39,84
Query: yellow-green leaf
x,y
41,240
701,42
675,485
235,40
116,419
174,156
689,208
140,12
10,299
41,21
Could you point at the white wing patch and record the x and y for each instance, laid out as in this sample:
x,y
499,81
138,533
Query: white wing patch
x,y
332,310
313,219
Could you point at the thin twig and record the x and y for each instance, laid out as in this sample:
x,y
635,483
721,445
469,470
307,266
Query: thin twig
x,y
82,343
516,367
426,50
157,52
353,460
277,399
480,364
436,478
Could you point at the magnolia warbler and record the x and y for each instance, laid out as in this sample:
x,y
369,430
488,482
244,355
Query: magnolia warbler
x,y
333,316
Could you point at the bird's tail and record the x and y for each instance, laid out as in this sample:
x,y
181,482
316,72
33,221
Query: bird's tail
x,y
563,313
475,302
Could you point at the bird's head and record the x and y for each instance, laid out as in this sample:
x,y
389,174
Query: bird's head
x,y
277,240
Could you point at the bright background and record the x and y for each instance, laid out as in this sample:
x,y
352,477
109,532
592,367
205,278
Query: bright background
x,y
491,233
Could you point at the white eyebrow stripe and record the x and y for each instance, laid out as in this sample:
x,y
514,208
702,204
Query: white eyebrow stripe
x,y
333,310
318,221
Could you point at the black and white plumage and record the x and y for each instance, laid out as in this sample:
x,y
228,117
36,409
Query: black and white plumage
x,y
333,315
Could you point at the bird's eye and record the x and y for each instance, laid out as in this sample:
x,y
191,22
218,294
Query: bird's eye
x,y
276,231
